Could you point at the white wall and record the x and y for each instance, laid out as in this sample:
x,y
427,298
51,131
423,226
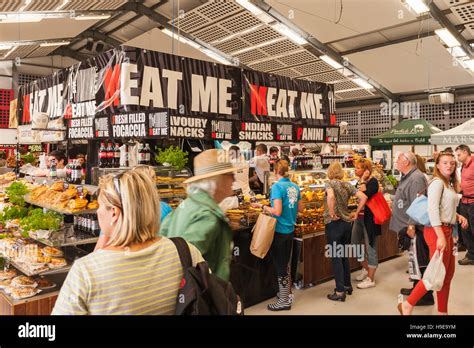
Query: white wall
x,y
7,136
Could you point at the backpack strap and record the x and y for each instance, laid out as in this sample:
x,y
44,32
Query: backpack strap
x,y
183,252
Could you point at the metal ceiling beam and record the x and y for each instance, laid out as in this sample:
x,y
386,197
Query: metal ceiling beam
x,y
67,52
392,42
324,49
96,35
437,14
133,19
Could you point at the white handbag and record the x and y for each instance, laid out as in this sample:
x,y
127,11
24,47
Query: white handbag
x,y
433,278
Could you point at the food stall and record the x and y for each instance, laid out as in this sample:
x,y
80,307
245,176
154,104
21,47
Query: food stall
x,y
408,135
462,134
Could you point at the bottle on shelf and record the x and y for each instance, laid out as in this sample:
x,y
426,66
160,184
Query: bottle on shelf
x,y
102,156
76,176
110,154
147,154
52,170
68,171
117,155
141,154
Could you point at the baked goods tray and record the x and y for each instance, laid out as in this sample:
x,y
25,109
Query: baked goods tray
x,y
25,271
56,209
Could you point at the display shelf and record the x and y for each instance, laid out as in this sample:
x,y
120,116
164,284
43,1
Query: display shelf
x,y
79,238
61,211
25,271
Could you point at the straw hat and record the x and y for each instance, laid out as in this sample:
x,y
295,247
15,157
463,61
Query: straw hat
x,y
211,163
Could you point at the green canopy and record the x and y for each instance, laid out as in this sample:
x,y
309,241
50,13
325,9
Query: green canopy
x,y
407,132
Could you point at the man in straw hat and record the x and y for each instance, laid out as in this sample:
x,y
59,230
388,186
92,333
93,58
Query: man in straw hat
x,y
198,219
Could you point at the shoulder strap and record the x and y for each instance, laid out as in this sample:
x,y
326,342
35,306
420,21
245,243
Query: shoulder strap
x,y
183,252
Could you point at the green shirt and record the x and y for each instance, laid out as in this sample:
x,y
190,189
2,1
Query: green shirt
x,y
201,222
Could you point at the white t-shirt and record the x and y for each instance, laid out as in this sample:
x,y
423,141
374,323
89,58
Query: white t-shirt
x,y
261,165
241,178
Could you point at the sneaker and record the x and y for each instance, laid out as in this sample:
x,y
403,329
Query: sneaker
x,y
465,261
363,275
366,283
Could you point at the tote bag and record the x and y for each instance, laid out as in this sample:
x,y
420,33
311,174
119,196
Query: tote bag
x,y
379,207
418,210
433,278
262,235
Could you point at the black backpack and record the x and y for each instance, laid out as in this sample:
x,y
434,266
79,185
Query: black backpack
x,y
201,292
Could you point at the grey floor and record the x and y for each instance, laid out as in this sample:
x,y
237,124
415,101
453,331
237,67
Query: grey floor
x,y
380,300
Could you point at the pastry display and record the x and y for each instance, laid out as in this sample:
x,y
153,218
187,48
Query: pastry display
x,y
21,293
57,263
5,283
44,283
61,197
7,274
52,252
24,282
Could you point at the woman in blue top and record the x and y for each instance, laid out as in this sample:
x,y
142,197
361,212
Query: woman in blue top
x,y
285,199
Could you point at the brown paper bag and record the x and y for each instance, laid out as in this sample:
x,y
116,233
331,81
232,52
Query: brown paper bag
x,y
262,238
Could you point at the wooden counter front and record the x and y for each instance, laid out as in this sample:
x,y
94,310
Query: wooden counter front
x,y
41,304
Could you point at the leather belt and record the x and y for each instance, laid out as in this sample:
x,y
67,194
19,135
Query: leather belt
x,y
447,225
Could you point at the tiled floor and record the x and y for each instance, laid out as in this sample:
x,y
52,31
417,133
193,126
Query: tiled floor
x,y
380,300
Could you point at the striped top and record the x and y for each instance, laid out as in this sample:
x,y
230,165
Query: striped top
x,y
109,282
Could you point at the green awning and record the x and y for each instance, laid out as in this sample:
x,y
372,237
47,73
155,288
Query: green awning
x,y
407,132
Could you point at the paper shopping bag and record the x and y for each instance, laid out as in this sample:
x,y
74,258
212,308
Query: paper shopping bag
x,y
262,237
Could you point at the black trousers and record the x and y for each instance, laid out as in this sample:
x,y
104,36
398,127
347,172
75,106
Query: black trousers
x,y
281,252
338,234
467,210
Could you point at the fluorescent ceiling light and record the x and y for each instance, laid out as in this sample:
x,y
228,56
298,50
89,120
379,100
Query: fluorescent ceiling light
x,y
9,52
290,34
65,2
91,17
457,52
263,44
418,6
181,38
448,38
362,83
216,56
5,46
469,64
257,12
21,18
331,62
62,43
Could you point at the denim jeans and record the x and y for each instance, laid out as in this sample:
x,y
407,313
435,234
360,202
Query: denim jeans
x,y
360,236
338,233
281,252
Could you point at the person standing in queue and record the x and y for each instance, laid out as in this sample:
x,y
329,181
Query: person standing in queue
x,y
286,202
337,219
273,157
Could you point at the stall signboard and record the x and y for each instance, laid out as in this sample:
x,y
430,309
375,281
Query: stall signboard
x,y
81,128
274,98
152,94
102,127
332,134
310,134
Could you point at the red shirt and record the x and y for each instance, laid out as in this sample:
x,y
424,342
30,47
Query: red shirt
x,y
467,182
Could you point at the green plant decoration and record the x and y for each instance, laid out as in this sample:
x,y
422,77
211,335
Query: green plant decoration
x,y
172,155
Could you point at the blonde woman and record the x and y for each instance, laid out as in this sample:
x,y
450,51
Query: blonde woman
x,y
136,272
337,219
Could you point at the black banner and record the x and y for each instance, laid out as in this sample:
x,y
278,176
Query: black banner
x,y
189,127
274,98
310,134
102,127
132,125
80,128
332,135
224,130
